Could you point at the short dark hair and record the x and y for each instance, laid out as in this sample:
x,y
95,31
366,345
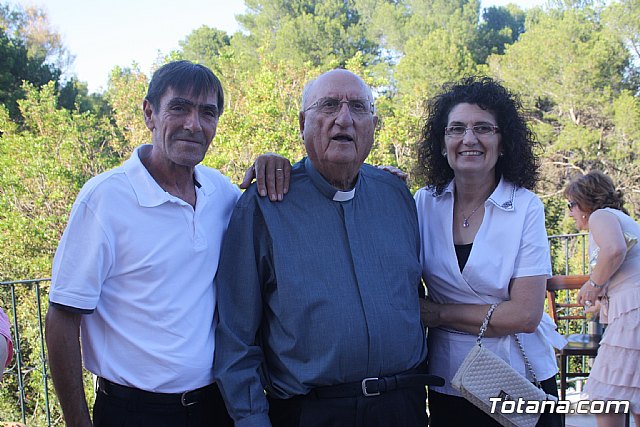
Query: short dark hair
x,y
518,162
184,76
594,191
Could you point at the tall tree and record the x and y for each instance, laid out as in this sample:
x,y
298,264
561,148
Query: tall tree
x,y
322,34
205,45
430,61
500,26
570,69
15,67
126,89
31,26
623,17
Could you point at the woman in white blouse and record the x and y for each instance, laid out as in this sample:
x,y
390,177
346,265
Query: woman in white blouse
x,y
483,242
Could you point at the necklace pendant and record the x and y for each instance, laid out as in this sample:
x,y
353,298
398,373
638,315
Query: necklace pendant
x,y
465,223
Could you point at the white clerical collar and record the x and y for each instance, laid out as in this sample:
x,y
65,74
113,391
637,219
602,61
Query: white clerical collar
x,y
328,190
343,196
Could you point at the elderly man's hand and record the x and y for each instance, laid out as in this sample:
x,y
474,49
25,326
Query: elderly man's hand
x,y
272,173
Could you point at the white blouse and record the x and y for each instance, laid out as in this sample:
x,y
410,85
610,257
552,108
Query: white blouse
x,y
511,242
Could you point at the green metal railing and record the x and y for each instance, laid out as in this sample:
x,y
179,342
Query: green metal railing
x,y
18,366
573,250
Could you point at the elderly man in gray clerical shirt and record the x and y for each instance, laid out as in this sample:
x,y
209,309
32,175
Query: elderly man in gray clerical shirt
x,y
318,304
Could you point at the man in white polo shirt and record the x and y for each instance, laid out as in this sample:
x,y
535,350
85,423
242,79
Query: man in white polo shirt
x,y
134,272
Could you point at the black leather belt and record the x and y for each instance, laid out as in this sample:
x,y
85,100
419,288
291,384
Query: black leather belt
x,y
375,386
187,398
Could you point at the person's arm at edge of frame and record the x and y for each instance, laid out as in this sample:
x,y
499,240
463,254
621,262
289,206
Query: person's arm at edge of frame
x,y
6,347
521,313
607,234
4,354
239,309
272,173
65,361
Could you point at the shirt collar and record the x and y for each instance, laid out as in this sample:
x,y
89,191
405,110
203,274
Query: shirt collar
x,y
502,197
147,190
328,190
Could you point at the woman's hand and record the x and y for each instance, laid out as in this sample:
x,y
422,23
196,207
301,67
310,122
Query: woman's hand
x,y
430,313
587,295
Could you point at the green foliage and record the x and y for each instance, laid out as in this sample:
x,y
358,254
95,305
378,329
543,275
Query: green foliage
x,y
43,167
500,26
74,95
623,17
30,25
292,30
16,66
262,116
205,46
570,70
126,91
430,62
30,50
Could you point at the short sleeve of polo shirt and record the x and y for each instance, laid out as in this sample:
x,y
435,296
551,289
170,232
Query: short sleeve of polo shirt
x,y
533,255
82,261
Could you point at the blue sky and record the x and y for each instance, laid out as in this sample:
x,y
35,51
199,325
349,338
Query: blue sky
x,y
103,34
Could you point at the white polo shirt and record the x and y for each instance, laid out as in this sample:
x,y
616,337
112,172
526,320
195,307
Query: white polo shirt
x,y
511,242
143,262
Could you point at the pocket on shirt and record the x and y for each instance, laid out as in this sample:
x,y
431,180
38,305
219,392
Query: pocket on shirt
x,y
402,281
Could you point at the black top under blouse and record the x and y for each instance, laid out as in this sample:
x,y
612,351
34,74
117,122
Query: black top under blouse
x,y
462,253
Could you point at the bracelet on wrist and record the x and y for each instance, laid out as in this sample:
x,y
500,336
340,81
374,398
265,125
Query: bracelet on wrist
x,y
594,284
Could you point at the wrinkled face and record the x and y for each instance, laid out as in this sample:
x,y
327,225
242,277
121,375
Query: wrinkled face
x,y
343,138
472,152
183,126
579,216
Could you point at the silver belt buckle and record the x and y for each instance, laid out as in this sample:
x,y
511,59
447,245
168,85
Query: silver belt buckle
x,y
183,399
364,387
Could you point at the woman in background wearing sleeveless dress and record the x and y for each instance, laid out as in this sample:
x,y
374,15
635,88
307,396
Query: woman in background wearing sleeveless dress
x,y
596,205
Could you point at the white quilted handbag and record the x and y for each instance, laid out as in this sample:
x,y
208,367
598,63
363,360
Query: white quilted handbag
x,y
483,375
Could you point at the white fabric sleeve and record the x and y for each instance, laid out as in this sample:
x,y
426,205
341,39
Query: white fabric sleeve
x,y
82,261
533,257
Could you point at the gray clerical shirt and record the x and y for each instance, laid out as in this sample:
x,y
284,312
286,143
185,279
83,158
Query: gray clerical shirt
x,y
319,289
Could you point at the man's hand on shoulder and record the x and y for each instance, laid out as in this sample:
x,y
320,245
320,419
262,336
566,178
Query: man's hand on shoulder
x,y
272,173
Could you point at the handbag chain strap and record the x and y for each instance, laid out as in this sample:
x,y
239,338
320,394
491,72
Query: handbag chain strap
x,y
526,361
485,323
483,329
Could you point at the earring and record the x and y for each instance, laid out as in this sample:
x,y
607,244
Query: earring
x,y
444,153
501,154
584,217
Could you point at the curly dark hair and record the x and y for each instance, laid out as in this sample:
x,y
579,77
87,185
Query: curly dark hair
x,y
594,191
518,164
